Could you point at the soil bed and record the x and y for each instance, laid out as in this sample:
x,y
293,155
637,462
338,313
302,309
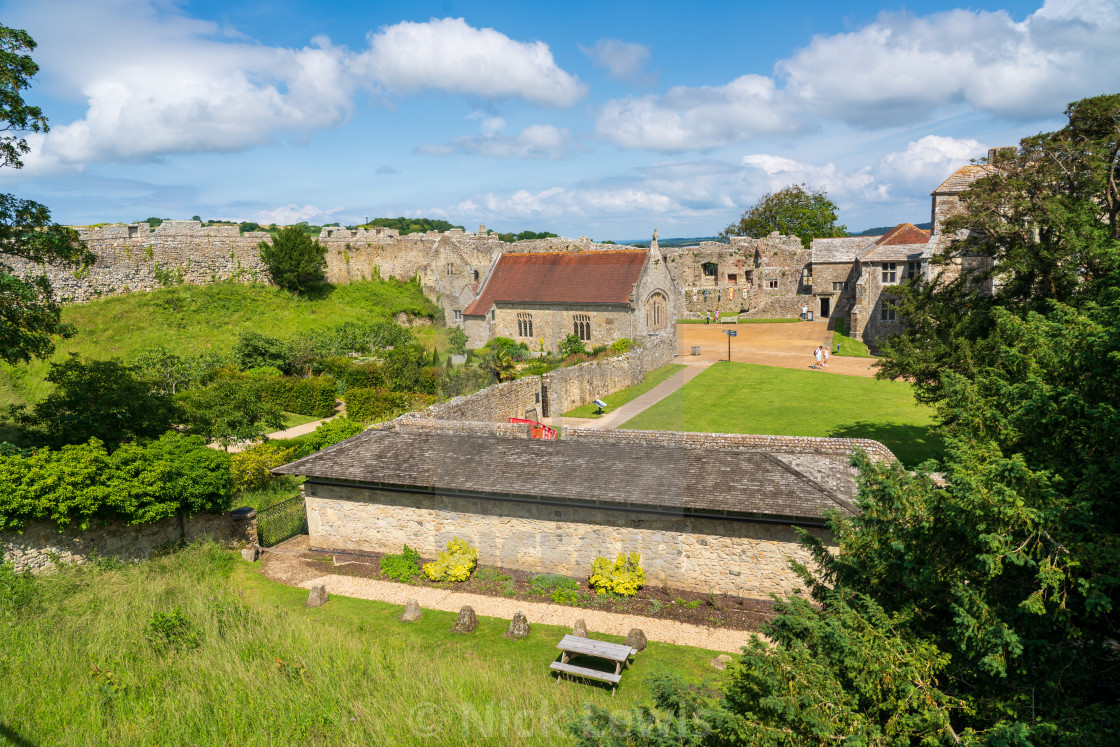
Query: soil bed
x,y
660,603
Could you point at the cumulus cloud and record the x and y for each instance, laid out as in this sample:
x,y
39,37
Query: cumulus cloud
x,y
286,215
687,118
623,60
535,141
898,69
928,161
450,55
158,82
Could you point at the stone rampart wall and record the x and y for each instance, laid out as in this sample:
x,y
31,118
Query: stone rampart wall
x,y
41,544
733,557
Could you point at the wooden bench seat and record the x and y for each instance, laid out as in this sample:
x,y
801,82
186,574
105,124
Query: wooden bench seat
x,y
591,674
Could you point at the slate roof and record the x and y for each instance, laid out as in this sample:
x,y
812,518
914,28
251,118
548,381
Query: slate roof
x,y
605,277
701,480
962,178
844,249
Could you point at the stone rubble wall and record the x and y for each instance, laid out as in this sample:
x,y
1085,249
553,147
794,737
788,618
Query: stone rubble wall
x,y
566,388
745,558
133,257
41,545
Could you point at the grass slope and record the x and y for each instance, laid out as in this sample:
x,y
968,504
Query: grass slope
x,y
197,318
620,398
748,398
848,346
80,666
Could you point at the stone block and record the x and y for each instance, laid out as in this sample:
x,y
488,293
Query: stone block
x,y
251,553
318,596
720,662
636,639
518,627
580,628
412,612
467,621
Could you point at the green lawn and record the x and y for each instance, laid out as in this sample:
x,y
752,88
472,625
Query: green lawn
x,y
292,419
748,398
848,346
197,318
246,662
618,399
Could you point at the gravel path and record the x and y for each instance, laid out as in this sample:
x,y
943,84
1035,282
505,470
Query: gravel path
x,y
666,631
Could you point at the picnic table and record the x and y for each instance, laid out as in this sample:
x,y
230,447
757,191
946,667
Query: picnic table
x,y
571,644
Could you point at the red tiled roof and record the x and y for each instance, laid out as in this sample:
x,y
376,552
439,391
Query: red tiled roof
x,y
903,233
561,277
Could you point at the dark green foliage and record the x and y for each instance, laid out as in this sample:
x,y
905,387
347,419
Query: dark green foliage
x,y
247,226
331,432
153,223
457,340
173,371
572,345
295,261
374,405
172,631
254,350
314,396
79,484
413,225
29,314
230,410
526,236
408,369
544,584
796,210
106,400
401,567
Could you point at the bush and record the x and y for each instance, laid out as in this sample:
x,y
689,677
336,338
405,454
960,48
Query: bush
x,y
254,350
80,484
454,564
267,372
332,432
401,567
172,631
230,410
598,350
249,469
315,396
374,404
572,345
457,340
294,260
623,577
622,345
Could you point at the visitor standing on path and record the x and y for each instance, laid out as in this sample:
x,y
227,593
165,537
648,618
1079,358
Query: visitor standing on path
x,y
818,356
707,317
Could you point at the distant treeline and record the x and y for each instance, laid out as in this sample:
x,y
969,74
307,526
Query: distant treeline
x,y
667,243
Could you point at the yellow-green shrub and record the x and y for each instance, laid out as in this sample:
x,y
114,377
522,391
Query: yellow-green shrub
x,y
454,564
250,468
623,577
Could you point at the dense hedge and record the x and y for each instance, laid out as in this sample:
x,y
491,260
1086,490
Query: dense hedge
x,y
374,404
77,485
314,396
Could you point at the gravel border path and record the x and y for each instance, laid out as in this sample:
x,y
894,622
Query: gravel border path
x,y
666,631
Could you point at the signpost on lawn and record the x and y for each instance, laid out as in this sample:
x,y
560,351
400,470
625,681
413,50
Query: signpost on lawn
x,y
730,333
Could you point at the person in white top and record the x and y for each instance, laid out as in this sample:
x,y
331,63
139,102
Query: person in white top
x,y
818,356
827,355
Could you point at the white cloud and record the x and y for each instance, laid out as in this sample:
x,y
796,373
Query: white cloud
x,y
286,215
697,118
623,60
898,69
535,141
928,161
157,82
450,55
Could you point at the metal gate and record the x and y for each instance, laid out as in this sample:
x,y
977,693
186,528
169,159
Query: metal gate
x,y
281,521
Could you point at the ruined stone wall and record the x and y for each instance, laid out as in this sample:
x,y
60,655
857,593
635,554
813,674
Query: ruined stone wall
x,y
497,403
732,557
741,284
41,544
835,281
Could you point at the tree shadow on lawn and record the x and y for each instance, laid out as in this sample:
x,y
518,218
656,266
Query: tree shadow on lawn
x,y
912,444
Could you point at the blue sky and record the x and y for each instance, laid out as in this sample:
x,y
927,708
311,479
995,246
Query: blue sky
x,y
598,119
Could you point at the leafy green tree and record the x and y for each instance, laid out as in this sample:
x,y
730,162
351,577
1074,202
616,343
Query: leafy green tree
x,y
230,411
254,350
457,340
294,260
30,316
501,364
796,210
106,400
173,371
